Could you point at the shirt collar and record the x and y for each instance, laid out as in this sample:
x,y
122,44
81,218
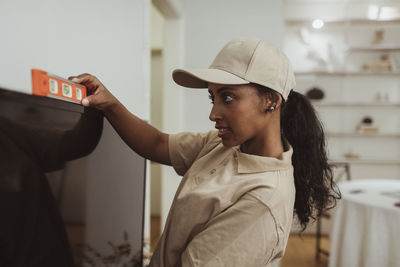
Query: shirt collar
x,y
248,163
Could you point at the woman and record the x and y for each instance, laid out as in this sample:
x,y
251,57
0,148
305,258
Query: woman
x,y
242,183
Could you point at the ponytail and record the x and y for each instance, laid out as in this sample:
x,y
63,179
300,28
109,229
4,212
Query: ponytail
x,y
315,188
313,177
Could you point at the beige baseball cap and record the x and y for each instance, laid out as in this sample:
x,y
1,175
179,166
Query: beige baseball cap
x,y
243,61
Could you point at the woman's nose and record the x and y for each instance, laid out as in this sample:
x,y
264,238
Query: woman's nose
x,y
215,114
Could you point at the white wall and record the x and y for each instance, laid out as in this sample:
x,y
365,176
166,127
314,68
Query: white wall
x,y
157,45
172,103
209,25
157,29
111,40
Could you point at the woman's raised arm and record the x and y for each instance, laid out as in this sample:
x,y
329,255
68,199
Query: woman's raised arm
x,y
143,138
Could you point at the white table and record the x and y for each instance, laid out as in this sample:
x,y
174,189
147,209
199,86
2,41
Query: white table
x,y
366,228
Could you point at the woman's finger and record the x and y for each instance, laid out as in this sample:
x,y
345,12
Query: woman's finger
x,y
84,79
90,81
79,78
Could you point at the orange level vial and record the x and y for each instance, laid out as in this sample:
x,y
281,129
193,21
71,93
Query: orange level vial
x,y
50,85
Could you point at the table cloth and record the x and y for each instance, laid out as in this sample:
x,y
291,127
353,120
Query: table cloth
x,y
366,228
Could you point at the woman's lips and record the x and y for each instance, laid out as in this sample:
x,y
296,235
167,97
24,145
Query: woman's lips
x,y
223,131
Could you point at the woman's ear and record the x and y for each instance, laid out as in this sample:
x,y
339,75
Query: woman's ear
x,y
278,101
272,102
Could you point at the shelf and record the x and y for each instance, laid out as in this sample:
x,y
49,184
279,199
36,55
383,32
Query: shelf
x,y
366,161
346,73
343,22
355,104
375,48
385,135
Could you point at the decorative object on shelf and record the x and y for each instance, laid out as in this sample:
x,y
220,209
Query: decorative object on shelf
x,y
394,62
382,97
382,65
315,93
336,60
367,126
351,155
316,52
318,58
378,37
378,97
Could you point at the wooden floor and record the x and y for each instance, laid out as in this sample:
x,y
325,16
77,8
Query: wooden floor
x,y
155,231
300,250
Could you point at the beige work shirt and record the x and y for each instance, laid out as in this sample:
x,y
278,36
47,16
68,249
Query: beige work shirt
x,y
230,209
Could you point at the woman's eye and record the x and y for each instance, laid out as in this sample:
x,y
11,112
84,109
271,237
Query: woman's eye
x,y
228,98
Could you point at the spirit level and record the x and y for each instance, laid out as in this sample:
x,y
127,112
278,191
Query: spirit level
x,y
50,85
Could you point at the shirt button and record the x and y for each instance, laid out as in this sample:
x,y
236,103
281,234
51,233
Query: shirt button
x,y
212,171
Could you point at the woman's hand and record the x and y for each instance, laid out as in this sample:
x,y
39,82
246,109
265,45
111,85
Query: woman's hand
x,y
98,95
143,138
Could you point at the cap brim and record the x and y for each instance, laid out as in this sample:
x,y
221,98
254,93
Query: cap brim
x,y
199,78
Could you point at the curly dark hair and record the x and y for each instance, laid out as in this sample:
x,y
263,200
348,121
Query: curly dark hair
x,y
313,176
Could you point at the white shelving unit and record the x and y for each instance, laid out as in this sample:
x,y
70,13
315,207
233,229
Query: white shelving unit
x,y
342,22
366,161
349,73
375,48
363,135
356,104
351,92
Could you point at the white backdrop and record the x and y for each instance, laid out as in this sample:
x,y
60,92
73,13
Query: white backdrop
x,y
111,40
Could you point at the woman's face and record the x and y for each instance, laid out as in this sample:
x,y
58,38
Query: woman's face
x,y
238,112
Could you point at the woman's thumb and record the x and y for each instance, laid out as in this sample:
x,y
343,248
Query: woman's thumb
x,y
88,101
